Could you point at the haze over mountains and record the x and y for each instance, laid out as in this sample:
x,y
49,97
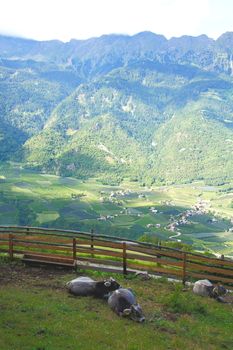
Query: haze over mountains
x,y
143,107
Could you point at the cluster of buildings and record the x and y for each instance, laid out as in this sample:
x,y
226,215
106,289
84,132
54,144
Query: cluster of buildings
x,y
199,208
106,217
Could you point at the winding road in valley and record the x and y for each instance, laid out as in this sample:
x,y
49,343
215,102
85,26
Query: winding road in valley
x,y
175,237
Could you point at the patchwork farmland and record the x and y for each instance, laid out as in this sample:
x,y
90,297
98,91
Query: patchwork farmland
x,y
191,214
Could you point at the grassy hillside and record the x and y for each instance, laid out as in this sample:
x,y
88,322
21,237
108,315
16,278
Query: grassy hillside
x,y
38,313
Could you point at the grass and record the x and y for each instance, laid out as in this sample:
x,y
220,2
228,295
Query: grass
x,y
37,313
47,216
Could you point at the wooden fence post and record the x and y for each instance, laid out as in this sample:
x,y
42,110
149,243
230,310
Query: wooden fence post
x,y
184,268
11,253
124,259
158,256
92,244
74,249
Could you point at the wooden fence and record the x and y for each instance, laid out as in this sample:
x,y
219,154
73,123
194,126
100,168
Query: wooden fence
x,y
91,251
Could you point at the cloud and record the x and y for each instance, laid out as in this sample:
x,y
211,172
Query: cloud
x,y
65,19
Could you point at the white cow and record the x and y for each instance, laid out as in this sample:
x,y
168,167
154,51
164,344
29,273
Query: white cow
x,y
205,288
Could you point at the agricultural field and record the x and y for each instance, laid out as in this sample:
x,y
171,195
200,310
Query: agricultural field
x,y
193,214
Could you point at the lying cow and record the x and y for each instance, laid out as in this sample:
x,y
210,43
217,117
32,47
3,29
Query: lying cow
x,y
85,286
206,289
123,302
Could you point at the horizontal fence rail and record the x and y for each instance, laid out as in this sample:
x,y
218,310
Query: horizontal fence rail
x,y
88,250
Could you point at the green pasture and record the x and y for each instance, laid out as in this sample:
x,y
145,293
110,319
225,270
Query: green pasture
x,y
38,313
34,199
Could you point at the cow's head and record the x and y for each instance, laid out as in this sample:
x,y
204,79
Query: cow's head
x,y
104,288
135,313
219,291
111,284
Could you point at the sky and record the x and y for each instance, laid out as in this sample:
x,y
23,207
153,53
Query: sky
x,y
82,19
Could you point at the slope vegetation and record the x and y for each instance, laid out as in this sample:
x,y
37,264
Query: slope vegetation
x,y
141,107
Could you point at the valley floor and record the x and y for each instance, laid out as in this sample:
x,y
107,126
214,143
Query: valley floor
x,y
193,214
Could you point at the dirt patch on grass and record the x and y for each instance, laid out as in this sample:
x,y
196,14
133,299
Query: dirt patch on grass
x,y
228,298
16,273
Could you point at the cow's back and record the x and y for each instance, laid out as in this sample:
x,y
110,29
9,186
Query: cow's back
x,y
203,288
121,299
82,286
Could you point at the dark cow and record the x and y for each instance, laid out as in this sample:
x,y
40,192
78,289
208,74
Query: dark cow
x,y
206,289
123,302
85,286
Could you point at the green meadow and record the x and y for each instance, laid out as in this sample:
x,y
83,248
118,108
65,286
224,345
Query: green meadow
x,y
38,313
127,210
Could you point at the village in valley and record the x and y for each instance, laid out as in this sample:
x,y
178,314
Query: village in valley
x,y
192,214
177,222
200,208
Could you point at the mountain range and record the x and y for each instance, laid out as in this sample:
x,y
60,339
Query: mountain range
x,y
142,107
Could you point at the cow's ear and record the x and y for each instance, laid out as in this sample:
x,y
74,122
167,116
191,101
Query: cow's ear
x,y
107,284
126,312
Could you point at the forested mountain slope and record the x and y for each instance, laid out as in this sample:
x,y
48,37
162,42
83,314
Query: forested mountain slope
x,y
142,107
